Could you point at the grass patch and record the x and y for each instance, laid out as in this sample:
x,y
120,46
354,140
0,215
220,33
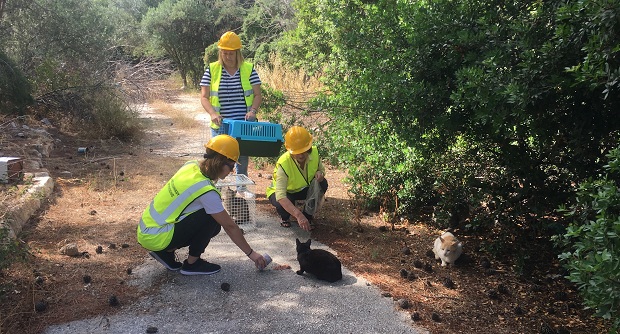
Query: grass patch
x,y
298,87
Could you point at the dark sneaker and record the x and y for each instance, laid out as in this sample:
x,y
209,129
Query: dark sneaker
x,y
167,259
200,267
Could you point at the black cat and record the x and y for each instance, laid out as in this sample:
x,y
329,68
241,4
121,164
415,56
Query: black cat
x,y
318,262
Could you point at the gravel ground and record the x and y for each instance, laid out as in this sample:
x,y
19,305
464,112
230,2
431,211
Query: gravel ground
x,y
268,301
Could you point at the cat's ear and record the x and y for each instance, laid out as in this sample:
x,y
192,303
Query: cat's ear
x,y
297,241
309,242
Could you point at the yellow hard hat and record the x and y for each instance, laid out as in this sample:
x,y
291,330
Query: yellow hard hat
x,y
224,145
297,140
229,41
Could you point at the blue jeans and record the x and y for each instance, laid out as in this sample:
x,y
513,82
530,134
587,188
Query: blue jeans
x,y
242,166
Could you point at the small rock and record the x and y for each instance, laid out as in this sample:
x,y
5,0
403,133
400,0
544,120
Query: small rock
x,y
412,276
260,174
448,283
383,228
436,317
501,288
113,301
561,295
151,329
406,251
225,286
386,294
125,246
112,246
39,280
429,253
415,316
121,173
428,268
70,250
129,271
40,306
269,177
418,264
518,310
99,250
403,273
87,279
403,303
492,293
92,212
485,263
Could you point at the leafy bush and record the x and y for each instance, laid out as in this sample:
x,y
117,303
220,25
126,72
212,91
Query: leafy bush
x,y
98,111
112,117
11,250
14,88
593,258
502,106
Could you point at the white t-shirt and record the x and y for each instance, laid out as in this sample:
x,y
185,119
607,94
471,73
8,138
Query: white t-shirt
x,y
211,202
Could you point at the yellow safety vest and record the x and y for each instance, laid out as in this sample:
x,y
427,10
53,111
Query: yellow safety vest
x,y
216,75
296,180
157,224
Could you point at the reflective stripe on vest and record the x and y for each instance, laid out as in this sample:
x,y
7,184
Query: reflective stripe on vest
x,y
157,223
245,71
296,180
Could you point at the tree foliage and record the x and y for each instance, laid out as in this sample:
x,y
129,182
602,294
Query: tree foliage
x,y
266,21
66,51
503,83
593,241
489,110
182,29
14,87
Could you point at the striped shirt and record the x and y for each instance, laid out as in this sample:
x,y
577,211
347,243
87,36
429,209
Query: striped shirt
x,y
232,102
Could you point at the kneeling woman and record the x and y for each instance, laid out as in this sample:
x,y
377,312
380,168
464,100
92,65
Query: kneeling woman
x,y
295,171
188,211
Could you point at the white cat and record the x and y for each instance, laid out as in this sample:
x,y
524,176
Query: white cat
x,y
447,248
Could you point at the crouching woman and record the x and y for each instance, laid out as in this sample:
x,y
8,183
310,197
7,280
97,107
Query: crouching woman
x,y
188,212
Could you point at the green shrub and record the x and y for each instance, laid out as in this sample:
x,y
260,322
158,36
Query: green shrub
x,y
98,111
593,243
112,118
11,250
14,88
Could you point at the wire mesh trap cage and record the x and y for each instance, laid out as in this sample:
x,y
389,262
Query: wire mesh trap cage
x,y
239,198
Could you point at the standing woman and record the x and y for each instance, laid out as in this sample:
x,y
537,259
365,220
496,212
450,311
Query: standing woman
x,y
230,89
188,211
